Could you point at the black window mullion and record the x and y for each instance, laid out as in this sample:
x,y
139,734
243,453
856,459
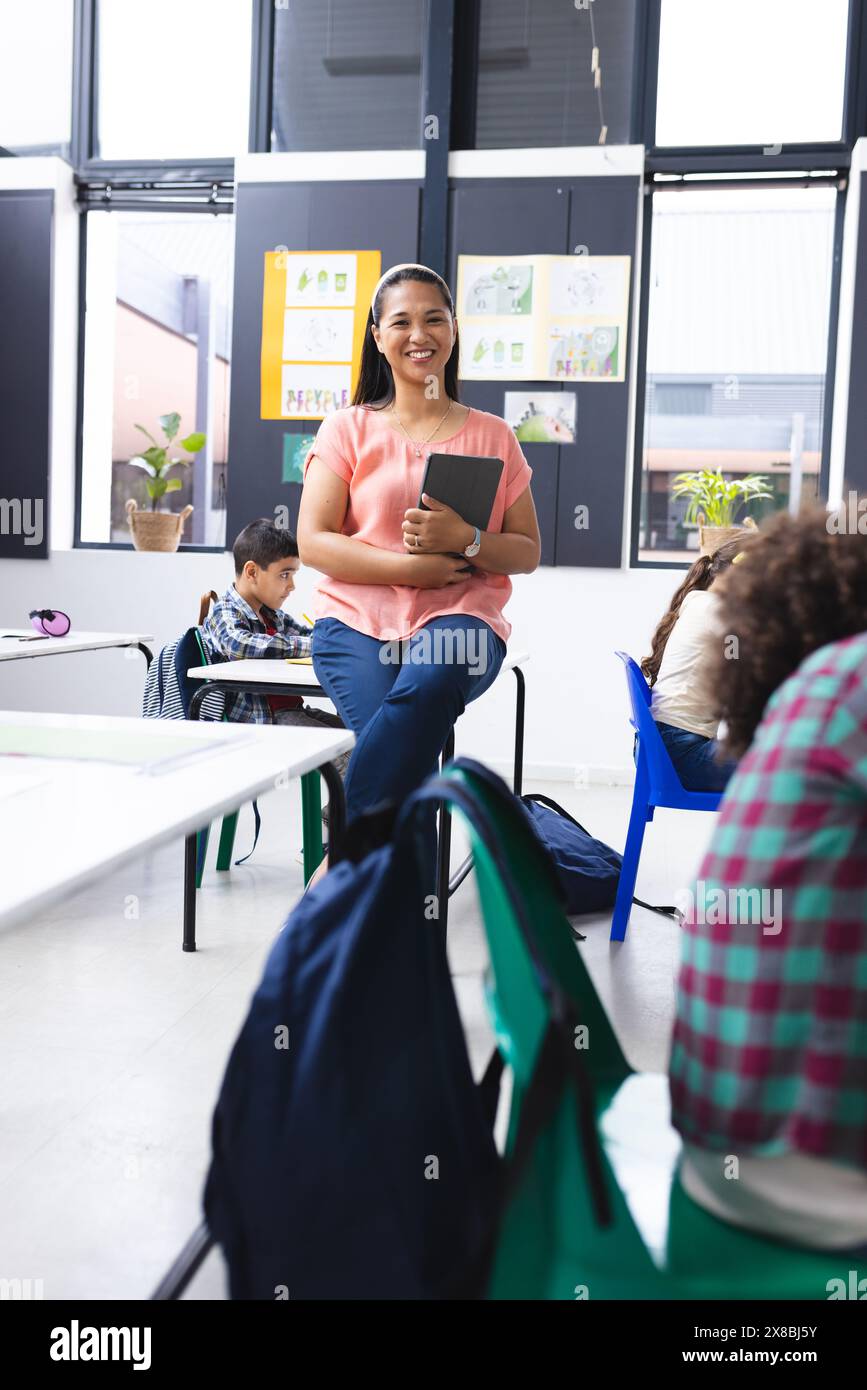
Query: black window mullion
x,y
645,73
83,82
831,360
262,76
465,75
436,103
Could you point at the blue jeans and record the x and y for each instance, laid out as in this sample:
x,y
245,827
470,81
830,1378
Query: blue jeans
x,y
695,760
401,699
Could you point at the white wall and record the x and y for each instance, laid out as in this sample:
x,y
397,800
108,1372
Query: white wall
x,y
571,620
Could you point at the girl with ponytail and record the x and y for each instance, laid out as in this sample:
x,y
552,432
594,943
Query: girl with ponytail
x,y
409,612
680,652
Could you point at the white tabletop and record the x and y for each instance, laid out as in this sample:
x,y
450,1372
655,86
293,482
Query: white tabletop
x,y
282,673
64,823
10,650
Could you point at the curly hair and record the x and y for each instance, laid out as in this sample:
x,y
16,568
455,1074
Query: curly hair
x,y
803,585
701,575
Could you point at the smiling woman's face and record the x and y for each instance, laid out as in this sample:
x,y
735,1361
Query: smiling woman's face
x,y
416,331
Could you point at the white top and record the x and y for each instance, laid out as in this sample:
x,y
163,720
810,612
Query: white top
x,y
11,650
678,698
283,673
64,822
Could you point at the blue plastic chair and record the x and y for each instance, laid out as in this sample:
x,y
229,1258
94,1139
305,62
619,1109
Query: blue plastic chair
x,y
656,784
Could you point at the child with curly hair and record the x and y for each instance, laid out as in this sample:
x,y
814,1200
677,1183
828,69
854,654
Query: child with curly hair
x,y
769,1055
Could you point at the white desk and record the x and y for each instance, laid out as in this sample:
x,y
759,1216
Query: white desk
x,y
11,650
64,823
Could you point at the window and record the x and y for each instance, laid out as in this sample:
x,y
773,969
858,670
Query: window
x,y
173,79
751,72
740,285
157,340
348,74
537,80
36,76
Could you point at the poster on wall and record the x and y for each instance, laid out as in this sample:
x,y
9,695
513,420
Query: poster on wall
x,y
541,417
543,318
314,316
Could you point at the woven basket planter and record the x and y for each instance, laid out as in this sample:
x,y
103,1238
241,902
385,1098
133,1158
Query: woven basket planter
x,y
712,537
156,530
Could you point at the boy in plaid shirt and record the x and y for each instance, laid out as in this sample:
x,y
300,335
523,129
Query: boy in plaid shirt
x,y
769,1054
248,622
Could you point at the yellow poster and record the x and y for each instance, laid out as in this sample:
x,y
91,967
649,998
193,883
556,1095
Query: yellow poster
x,y
314,317
543,318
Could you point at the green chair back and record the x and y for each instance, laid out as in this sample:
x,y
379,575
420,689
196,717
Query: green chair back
x,y
550,1244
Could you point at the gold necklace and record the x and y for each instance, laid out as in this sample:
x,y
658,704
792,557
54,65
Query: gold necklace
x,y
418,447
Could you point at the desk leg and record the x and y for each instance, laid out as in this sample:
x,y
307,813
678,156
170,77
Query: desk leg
x,y
311,815
189,943
191,852
311,823
444,845
518,775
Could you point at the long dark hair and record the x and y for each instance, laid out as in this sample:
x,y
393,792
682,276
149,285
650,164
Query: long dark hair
x,y
700,576
375,387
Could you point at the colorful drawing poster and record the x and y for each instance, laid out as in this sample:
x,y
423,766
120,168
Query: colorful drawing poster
x,y
314,317
543,318
541,417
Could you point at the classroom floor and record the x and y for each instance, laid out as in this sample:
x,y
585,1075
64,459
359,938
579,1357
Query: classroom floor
x,y
114,1041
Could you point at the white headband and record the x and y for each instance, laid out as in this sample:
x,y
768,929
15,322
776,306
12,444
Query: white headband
x,y
404,265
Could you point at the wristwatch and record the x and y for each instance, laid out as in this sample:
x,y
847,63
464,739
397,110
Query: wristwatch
x,y
474,546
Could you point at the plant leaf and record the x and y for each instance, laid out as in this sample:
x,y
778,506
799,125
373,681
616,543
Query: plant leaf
x,y
193,442
139,462
173,485
147,432
156,487
170,424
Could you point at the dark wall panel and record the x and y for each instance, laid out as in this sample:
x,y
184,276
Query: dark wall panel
x,y
25,371
603,217
358,216
552,217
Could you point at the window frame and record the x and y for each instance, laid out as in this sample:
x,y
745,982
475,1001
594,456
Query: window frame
x,y
718,159
709,184
117,205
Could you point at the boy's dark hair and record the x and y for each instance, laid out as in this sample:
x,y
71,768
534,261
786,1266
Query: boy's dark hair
x,y
263,543
803,585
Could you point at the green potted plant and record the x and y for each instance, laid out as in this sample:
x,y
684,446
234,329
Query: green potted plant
x,y
161,530
715,501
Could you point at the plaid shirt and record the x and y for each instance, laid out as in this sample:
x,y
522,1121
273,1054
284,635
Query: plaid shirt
x,y
770,1042
233,632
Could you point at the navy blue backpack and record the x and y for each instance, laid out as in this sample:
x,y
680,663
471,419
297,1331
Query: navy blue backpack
x,y
353,1154
587,869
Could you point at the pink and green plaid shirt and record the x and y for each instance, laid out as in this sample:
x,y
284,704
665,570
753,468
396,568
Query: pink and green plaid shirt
x,y
769,1053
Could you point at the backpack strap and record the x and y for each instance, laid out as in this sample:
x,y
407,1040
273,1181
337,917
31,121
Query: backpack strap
x,y
550,1078
257,817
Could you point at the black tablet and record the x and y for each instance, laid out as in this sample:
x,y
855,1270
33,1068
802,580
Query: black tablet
x,y
465,482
